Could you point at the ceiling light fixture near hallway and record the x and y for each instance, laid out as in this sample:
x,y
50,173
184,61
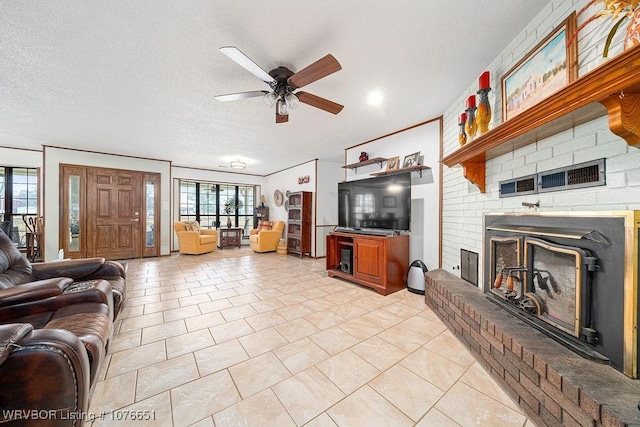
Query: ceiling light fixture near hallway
x,y
375,98
238,165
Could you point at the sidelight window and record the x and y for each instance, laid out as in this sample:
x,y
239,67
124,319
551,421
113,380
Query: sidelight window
x,y
18,197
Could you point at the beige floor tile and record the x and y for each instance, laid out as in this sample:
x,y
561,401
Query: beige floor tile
x,y
262,409
125,340
181,313
217,305
348,311
307,394
114,393
164,331
267,305
174,295
436,418
382,318
300,355
366,408
293,312
136,358
207,422
448,346
201,398
160,306
406,339
243,299
401,309
410,393
334,340
204,321
479,379
187,343
319,304
222,294
128,312
291,299
361,328
155,411
468,406
434,368
195,299
165,375
220,356
348,370
324,319
133,301
379,353
322,420
296,329
140,322
262,342
231,330
258,373
265,320
420,324
236,313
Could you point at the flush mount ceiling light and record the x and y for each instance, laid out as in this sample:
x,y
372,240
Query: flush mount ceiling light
x,y
238,165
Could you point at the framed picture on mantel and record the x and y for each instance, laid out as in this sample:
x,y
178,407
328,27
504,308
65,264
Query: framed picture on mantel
x,y
546,69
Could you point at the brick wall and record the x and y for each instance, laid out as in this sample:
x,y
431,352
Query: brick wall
x,y
552,385
464,205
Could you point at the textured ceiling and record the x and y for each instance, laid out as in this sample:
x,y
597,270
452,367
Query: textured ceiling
x,y
139,77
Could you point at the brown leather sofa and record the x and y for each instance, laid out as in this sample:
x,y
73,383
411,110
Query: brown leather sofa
x,y
16,272
45,376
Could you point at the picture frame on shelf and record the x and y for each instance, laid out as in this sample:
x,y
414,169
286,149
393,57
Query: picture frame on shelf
x,y
546,69
393,163
411,160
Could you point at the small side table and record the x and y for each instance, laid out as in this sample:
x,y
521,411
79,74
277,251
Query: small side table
x,y
230,237
281,249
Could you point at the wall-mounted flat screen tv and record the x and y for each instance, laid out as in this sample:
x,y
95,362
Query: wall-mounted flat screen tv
x,y
376,203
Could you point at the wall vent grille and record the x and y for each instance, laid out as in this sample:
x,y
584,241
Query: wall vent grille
x,y
588,174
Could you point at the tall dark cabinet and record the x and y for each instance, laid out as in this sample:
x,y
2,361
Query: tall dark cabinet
x,y
261,213
299,223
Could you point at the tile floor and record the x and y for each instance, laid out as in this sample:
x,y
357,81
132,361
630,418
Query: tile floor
x,y
234,338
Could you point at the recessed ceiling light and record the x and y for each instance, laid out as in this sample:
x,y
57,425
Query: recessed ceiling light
x,y
375,98
238,165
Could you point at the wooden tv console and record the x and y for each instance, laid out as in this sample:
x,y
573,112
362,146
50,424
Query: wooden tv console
x,y
380,262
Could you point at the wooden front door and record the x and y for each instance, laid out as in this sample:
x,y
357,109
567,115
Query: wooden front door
x,y
114,206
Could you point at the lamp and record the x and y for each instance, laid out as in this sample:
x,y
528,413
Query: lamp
x,y
292,100
270,99
238,165
283,109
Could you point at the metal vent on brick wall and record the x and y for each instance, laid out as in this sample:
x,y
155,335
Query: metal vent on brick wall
x,y
518,186
588,174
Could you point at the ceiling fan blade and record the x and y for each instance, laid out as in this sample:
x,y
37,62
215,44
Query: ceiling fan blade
x,y
321,103
240,95
319,69
245,62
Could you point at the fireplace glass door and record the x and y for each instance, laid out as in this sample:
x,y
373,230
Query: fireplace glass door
x,y
555,283
505,254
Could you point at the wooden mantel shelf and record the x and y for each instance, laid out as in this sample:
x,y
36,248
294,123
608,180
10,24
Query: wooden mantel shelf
x,y
613,88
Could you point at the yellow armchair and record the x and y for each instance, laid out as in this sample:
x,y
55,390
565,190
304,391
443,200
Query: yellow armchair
x,y
194,240
266,240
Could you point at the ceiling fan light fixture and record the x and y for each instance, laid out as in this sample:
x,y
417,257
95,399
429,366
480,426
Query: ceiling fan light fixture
x,y
291,100
238,165
270,99
283,109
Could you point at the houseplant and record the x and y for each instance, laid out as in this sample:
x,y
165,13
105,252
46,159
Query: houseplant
x,y
619,10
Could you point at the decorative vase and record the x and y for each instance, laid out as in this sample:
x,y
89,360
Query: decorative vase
x,y
483,115
462,135
471,126
632,37
228,222
364,156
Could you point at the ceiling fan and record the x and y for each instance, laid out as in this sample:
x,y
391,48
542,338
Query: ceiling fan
x,y
283,82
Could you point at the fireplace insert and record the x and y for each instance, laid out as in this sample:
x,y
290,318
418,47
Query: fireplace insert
x,y
571,275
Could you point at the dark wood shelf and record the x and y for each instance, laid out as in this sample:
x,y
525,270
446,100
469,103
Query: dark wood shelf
x,y
355,166
613,88
416,168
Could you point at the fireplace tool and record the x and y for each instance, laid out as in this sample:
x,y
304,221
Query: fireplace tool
x,y
528,301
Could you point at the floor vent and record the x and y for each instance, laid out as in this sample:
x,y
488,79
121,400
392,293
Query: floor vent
x,y
588,174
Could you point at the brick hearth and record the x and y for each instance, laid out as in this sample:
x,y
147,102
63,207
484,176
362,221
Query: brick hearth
x,y
552,384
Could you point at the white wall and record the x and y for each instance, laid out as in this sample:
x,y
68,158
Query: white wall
x,y
425,201
329,174
54,156
20,158
463,204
